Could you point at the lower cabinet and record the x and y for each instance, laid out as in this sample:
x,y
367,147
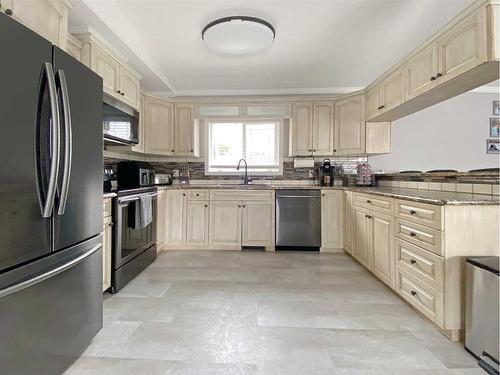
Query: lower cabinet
x,y
348,221
160,219
332,218
257,223
197,218
374,243
175,217
107,235
225,223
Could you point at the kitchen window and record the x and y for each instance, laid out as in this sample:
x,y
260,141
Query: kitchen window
x,y
258,142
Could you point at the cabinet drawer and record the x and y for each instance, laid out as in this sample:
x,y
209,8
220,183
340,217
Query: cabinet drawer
x,y
428,238
420,213
198,195
425,299
240,195
420,263
377,203
107,207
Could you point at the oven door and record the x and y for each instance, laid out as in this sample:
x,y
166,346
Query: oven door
x,y
130,241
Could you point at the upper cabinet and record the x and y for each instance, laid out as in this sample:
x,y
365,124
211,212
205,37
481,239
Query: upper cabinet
x,y
350,126
421,70
186,130
74,47
49,18
386,95
120,81
311,130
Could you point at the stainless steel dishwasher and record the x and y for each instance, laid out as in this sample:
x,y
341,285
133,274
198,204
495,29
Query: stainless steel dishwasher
x,y
298,219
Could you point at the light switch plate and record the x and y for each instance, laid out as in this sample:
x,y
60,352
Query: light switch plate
x,y
175,173
311,174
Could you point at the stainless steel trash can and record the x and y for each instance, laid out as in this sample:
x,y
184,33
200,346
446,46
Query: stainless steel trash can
x,y
482,311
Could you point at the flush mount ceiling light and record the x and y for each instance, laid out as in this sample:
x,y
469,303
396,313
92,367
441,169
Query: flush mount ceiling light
x,y
238,35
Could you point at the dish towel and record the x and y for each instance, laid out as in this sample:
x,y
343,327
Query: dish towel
x,y
143,211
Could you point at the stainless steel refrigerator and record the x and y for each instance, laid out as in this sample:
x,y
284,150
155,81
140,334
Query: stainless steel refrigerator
x,y
50,204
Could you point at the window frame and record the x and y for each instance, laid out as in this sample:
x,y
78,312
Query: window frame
x,y
278,122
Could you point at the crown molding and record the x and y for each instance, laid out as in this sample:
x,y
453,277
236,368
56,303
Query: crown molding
x,y
260,92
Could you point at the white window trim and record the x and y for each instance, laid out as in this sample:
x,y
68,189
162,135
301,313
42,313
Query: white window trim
x,y
241,172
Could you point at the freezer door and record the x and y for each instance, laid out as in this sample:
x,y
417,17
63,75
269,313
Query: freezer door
x,y
50,310
26,125
78,207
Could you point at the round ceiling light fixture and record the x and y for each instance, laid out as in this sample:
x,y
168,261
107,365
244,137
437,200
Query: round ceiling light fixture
x,y
238,35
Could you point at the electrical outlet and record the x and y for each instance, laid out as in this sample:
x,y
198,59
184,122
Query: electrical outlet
x,y
175,173
311,174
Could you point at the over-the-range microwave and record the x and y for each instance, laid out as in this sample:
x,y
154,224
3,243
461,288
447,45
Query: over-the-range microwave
x,y
120,122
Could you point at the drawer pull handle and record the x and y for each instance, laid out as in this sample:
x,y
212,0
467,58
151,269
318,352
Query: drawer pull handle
x,y
368,201
412,234
413,212
413,261
413,293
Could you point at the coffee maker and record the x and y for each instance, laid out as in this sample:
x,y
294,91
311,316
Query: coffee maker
x,y
326,173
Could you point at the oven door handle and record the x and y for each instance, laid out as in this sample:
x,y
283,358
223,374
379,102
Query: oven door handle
x,y
133,198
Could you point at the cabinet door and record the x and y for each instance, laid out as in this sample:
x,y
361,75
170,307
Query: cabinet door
x,y
161,228
225,223
301,129
350,126
175,217
362,237
421,70
197,222
47,18
383,248
463,47
159,127
393,92
373,101
322,131
108,68
257,223
142,133
348,221
332,219
130,89
106,252
184,130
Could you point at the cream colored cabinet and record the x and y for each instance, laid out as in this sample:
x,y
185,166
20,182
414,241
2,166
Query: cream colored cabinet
x,y
332,220
49,18
348,222
107,235
198,214
301,129
257,223
350,126
312,129
159,127
175,217
129,87
378,137
225,223
362,237
386,95
382,232
186,130
108,68
140,147
421,70
74,47
462,47
161,227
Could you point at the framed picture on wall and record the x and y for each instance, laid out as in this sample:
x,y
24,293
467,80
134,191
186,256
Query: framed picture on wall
x,y
494,126
496,107
493,146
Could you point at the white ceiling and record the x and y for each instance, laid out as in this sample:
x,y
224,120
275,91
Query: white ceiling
x,y
321,46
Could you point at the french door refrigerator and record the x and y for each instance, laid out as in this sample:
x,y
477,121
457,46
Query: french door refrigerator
x,y
50,204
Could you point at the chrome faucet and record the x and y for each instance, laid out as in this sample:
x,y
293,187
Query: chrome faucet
x,y
245,179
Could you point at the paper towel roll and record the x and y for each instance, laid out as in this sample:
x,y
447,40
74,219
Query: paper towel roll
x,y
303,163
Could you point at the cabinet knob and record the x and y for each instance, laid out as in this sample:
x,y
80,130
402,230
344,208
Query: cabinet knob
x,y
173,150
118,91
412,234
183,194
122,94
111,224
197,194
439,75
413,261
382,106
413,212
433,78
413,293
9,12
192,151
239,206
368,201
206,205
244,206
334,150
379,107
323,194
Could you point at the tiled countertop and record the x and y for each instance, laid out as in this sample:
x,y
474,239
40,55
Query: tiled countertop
x,y
425,196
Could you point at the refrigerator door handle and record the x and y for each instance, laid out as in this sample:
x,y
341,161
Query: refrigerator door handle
x,y
47,206
68,141
47,275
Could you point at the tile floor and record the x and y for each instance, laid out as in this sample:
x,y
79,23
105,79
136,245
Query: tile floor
x,y
227,312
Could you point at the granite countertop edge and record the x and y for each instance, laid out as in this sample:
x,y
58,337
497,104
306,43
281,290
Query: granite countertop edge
x,y
405,194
